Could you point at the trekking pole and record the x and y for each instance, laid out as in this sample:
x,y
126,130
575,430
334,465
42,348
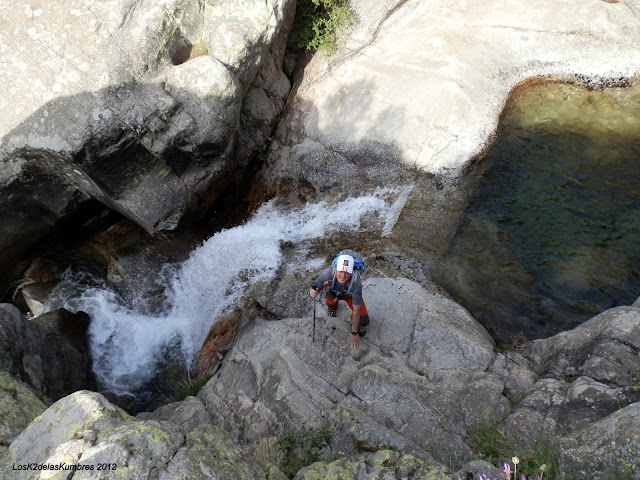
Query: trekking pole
x,y
313,335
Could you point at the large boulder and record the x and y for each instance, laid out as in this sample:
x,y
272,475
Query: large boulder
x,y
588,384
413,384
19,405
425,375
608,445
133,104
86,436
422,84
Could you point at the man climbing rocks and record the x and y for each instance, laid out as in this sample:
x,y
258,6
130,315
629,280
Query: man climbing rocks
x,y
343,284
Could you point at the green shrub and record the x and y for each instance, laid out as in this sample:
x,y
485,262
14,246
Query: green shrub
x,y
492,444
516,343
317,22
489,442
302,448
543,452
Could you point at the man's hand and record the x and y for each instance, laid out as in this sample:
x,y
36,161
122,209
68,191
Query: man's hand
x,y
313,292
355,323
355,340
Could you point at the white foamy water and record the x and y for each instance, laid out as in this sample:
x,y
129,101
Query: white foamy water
x,y
394,212
127,347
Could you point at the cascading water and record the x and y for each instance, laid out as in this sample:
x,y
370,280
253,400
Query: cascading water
x,y
128,347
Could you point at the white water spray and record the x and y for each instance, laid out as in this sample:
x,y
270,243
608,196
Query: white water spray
x,y
394,212
127,347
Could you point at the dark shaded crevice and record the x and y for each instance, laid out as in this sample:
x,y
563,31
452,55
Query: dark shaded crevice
x,y
236,202
61,244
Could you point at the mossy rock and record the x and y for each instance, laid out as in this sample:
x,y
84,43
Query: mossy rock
x,y
209,452
19,405
381,464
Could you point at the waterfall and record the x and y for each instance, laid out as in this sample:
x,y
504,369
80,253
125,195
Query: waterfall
x,y
127,347
394,212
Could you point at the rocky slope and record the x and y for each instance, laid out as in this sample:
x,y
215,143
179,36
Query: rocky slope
x,y
424,376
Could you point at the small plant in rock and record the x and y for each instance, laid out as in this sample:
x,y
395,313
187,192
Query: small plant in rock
x,y
530,467
516,343
318,21
489,441
191,386
302,448
199,49
261,155
494,445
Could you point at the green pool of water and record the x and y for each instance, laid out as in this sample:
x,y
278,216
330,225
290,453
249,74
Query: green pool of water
x,y
551,234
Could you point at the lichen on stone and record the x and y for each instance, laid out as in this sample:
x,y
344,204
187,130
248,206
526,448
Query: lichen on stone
x,y
19,405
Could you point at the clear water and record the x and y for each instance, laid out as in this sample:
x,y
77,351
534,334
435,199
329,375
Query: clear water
x,y
550,236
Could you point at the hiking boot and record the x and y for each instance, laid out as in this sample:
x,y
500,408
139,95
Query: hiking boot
x,y
332,311
362,331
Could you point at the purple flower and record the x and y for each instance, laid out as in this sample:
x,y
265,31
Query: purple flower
x,y
507,471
